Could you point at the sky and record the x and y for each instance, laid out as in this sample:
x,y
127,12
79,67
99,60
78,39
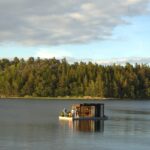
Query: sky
x,y
102,30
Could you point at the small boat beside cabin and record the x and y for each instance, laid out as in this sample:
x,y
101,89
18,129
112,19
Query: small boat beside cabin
x,y
85,111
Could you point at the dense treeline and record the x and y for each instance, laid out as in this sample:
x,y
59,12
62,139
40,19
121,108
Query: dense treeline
x,y
52,77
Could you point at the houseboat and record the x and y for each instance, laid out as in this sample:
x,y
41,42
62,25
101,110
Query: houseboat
x,y
85,111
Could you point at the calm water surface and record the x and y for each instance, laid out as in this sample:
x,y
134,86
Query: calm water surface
x,y
34,125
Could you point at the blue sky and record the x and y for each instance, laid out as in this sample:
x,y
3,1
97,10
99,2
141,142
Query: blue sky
x,y
126,36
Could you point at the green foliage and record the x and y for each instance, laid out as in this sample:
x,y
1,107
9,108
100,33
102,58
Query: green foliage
x,y
53,78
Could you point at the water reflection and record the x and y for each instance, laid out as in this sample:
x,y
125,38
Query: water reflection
x,y
88,125
84,125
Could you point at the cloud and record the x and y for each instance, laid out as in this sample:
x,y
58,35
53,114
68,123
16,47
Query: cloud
x,y
55,22
118,61
46,53
123,61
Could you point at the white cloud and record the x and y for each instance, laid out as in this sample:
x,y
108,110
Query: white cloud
x,y
118,61
77,16
133,1
55,22
123,61
46,53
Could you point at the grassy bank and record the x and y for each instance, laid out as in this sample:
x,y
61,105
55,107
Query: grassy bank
x,y
57,98
69,98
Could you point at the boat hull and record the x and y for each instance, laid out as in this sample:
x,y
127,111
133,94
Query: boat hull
x,y
83,118
65,118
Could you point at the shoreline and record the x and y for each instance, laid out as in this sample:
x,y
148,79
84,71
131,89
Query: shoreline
x,y
58,98
68,98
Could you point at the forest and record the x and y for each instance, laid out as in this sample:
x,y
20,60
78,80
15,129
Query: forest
x,y
53,78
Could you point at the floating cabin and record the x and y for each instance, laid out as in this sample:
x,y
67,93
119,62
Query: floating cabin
x,y
86,111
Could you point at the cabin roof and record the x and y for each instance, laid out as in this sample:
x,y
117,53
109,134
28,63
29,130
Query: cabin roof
x,y
88,104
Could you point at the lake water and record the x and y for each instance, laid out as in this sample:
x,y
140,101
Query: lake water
x,y
34,125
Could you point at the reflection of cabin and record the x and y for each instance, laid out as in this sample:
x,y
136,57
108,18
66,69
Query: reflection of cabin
x,y
89,125
89,110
